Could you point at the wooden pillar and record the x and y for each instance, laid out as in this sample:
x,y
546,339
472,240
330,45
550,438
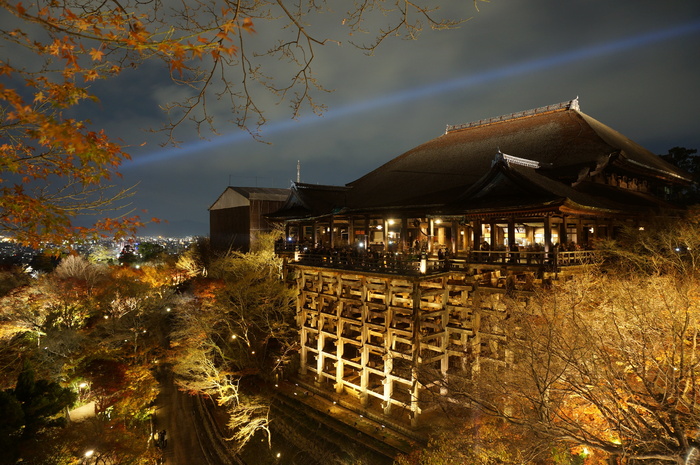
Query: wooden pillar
x,y
385,234
388,381
454,237
562,230
548,233
367,233
351,230
364,355
444,337
389,336
476,224
320,356
511,233
431,233
340,345
475,348
492,235
331,232
415,353
314,234
300,316
404,234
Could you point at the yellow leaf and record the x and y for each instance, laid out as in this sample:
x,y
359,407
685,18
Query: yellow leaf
x,y
96,54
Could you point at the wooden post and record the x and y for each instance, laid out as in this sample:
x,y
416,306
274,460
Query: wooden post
x,y
477,234
415,353
431,233
364,356
368,236
388,381
340,345
548,233
404,234
351,230
511,236
385,234
454,237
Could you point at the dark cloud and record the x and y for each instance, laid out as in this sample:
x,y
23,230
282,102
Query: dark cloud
x,y
512,56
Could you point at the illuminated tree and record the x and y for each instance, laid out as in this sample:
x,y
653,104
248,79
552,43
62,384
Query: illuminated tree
x,y
481,440
94,324
607,363
238,329
54,166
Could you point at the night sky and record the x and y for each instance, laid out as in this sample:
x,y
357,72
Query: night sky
x,y
634,64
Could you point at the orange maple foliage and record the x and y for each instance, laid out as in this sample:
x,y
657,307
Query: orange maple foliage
x,y
53,167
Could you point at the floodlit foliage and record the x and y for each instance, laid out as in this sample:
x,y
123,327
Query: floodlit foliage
x,y
607,363
481,440
100,331
239,327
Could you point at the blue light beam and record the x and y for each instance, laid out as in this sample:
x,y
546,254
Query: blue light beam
x,y
430,90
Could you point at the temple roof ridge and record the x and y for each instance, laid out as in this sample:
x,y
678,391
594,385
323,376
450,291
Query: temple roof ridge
x,y
513,160
568,105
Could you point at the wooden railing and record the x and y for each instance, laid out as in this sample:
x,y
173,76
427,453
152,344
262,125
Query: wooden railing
x,y
536,258
411,264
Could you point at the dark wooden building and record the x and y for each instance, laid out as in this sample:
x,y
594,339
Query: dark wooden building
x,y
239,214
404,269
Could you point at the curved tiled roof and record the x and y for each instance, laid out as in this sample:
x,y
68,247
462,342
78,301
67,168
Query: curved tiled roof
x,y
310,200
562,137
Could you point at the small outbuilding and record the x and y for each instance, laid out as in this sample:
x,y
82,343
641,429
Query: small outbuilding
x,y
239,214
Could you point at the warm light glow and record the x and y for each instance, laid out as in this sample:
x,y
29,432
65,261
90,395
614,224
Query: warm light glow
x,y
89,453
391,221
438,221
379,226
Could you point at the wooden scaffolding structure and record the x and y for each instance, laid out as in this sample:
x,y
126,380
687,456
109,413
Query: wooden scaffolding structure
x,y
370,335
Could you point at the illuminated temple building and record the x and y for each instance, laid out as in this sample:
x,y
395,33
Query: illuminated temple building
x,y
404,268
